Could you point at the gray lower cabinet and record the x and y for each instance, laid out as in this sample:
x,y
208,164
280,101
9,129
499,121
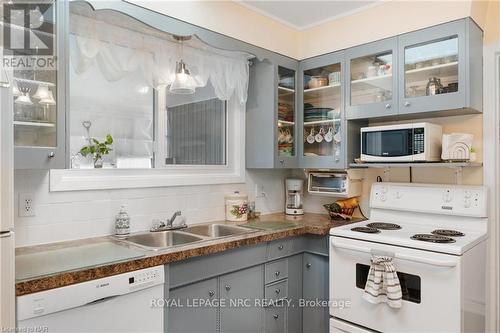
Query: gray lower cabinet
x,y
315,287
275,319
241,286
284,275
183,318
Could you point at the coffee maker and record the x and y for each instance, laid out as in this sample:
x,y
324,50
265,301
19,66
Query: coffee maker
x,y
294,195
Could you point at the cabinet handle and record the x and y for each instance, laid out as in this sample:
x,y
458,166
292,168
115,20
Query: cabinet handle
x,y
282,162
388,106
280,247
52,154
277,273
407,103
308,265
228,287
211,293
276,316
277,291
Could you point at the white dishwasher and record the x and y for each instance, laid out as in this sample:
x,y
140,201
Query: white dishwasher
x,y
119,303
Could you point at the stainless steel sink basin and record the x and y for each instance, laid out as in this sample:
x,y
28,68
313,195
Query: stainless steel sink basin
x,y
162,239
216,230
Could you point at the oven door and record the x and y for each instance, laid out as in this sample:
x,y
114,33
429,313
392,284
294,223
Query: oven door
x,y
394,145
430,285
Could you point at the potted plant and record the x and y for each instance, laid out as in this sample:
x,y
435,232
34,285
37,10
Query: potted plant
x,y
97,149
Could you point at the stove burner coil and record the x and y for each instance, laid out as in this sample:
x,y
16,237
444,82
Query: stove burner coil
x,y
447,232
383,226
433,238
367,230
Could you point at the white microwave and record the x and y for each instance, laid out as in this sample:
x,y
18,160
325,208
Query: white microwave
x,y
416,142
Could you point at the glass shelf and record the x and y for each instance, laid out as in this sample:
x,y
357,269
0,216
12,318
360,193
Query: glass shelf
x,y
286,112
322,116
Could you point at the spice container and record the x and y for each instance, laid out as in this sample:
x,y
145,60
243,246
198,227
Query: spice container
x,y
236,207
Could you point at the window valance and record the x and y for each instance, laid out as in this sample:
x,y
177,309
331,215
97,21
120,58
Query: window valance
x,y
121,46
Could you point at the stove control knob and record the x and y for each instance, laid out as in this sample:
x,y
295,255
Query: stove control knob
x,y
383,197
467,203
467,194
447,196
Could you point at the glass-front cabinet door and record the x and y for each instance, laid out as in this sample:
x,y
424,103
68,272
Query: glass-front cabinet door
x,y
371,80
432,68
322,114
286,119
37,89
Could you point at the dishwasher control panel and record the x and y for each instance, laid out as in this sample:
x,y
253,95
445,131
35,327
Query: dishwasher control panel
x,y
86,293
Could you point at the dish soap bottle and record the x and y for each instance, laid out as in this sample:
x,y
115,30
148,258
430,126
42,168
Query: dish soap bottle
x,y
122,223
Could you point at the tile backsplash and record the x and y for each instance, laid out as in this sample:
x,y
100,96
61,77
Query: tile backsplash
x,y
61,216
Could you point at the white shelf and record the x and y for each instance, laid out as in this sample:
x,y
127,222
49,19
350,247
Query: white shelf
x,y
331,86
326,121
381,81
286,123
418,165
322,93
291,91
33,124
433,68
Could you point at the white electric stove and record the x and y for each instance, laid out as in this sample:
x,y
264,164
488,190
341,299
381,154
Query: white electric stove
x,y
436,236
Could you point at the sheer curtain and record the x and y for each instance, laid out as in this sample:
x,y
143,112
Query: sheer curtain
x,y
99,38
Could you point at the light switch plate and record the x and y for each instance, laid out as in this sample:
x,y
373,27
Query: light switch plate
x,y
26,207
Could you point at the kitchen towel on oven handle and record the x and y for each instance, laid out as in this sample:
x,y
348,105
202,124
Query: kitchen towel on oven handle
x,y
382,285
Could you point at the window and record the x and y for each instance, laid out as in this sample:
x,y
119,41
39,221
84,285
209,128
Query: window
x,y
195,128
120,73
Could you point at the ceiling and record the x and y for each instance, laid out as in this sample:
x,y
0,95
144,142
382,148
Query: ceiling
x,y
300,14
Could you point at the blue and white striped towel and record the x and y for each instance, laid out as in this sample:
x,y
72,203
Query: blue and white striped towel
x,y
383,285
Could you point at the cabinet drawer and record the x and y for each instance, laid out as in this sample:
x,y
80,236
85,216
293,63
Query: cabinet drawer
x,y
279,248
275,319
276,270
276,291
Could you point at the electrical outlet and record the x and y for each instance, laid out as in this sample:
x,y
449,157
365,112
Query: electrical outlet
x,y
259,191
26,207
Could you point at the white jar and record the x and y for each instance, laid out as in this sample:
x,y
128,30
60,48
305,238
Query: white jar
x,y
236,207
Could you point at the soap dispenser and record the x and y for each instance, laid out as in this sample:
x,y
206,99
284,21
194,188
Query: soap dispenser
x,y
122,223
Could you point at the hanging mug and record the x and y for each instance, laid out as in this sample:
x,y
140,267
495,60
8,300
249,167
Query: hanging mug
x,y
319,137
329,135
310,138
337,137
288,137
280,137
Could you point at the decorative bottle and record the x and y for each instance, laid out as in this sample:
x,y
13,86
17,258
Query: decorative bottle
x,y
122,223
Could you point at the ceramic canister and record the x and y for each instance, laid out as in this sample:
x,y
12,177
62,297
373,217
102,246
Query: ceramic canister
x,y
236,207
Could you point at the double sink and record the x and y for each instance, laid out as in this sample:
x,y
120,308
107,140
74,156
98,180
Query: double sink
x,y
164,239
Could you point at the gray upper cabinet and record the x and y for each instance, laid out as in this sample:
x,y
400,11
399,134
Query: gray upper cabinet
x,y
38,102
371,80
272,114
327,138
322,143
440,69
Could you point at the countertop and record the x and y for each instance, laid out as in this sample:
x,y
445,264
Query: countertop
x,y
312,224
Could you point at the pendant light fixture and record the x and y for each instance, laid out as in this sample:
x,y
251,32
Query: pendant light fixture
x,y
183,83
42,92
49,100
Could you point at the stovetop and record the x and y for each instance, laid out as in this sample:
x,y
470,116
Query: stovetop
x,y
417,236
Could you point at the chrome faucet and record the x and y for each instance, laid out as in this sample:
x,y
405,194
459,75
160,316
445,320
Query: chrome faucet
x,y
159,225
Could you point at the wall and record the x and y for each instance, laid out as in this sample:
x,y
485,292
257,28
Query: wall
x,y
73,215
